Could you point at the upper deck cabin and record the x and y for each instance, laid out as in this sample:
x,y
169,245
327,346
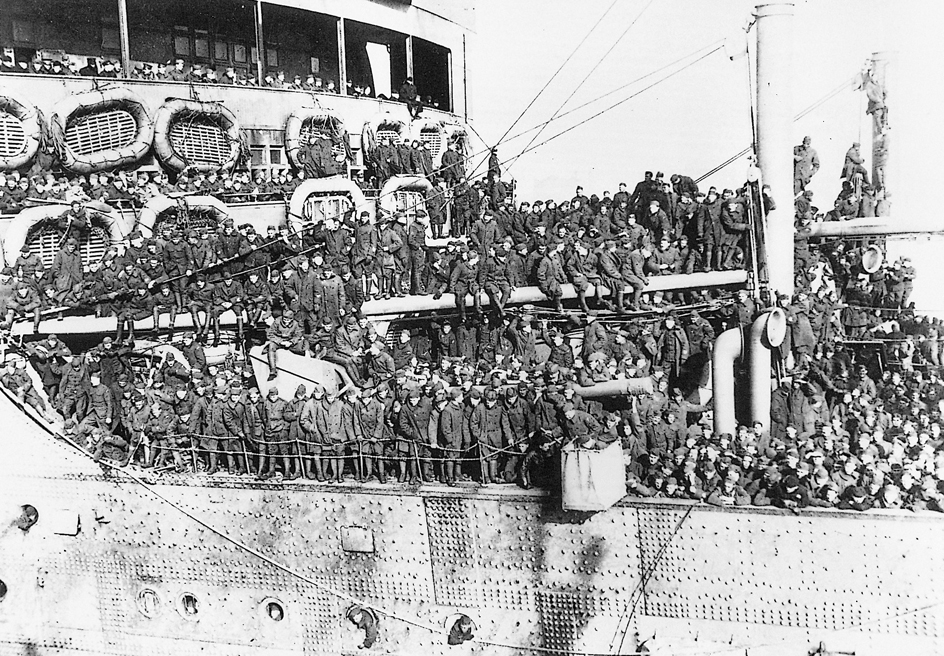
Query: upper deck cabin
x,y
357,52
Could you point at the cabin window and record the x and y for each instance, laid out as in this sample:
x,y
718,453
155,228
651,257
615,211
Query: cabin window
x,y
188,606
273,610
182,42
240,53
201,44
3,590
149,603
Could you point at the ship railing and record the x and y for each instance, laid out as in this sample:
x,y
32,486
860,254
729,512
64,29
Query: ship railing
x,y
192,445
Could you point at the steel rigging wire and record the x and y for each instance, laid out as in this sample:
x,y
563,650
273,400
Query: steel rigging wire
x,y
584,80
548,83
806,111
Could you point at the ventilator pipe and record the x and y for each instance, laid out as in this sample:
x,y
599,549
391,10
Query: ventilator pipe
x,y
706,280
728,348
618,387
767,332
609,388
872,227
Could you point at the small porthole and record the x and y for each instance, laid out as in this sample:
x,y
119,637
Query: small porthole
x,y
273,610
188,606
28,517
149,603
3,590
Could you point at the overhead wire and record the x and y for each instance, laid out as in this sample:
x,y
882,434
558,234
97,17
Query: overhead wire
x,y
586,77
796,118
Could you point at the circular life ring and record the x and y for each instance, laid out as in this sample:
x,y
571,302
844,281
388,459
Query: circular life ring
x,y
309,120
337,185
78,130
24,223
17,117
147,217
175,143
384,123
417,183
433,133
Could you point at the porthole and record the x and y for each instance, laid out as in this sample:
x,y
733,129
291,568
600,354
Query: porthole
x,y
28,517
189,606
3,590
272,609
460,628
149,602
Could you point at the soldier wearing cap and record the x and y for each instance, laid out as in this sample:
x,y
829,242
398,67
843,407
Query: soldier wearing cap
x,y
275,436
74,222
316,424
178,263
413,428
229,245
369,429
200,299
466,278
27,263
416,239
284,333
490,430
228,296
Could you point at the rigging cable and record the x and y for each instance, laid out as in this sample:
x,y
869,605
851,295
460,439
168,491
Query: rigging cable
x,y
557,72
618,103
806,111
584,80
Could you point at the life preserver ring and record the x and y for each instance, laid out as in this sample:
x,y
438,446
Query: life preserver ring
x,y
109,220
27,117
436,137
338,184
333,128
147,217
381,123
388,199
72,119
173,113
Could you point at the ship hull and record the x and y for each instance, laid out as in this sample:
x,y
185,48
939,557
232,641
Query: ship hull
x,y
108,566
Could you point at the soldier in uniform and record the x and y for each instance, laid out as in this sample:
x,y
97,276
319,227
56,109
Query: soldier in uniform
x,y
466,279
178,264
25,302
284,333
416,240
316,422
497,285
453,436
413,425
228,296
164,302
27,263
200,295
490,430
551,276
275,435
369,433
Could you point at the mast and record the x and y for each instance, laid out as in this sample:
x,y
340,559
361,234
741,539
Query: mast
x,y
774,21
876,89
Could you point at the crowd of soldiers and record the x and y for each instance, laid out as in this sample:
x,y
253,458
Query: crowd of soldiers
x,y
178,70
474,397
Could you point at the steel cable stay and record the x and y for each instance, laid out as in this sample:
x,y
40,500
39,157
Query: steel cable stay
x,y
802,114
584,80
543,88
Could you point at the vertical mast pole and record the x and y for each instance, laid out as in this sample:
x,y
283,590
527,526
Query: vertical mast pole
x,y
123,36
260,44
774,135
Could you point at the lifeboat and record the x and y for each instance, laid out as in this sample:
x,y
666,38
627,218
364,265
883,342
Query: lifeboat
x,y
379,127
20,133
99,130
206,210
197,136
34,226
301,124
433,134
405,193
316,200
